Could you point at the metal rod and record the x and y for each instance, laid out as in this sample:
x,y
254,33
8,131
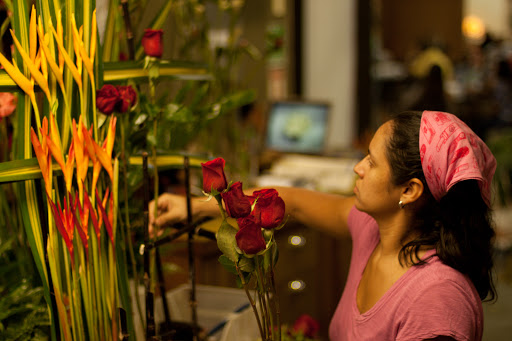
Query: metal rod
x,y
187,229
191,253
124,325
161,285
150,318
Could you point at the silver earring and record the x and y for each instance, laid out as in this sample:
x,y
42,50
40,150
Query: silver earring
x,y
401,204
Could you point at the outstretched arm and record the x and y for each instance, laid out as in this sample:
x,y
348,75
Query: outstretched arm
x,y
323,211
326,212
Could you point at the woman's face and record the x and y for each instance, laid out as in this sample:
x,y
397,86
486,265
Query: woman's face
x,y
374,192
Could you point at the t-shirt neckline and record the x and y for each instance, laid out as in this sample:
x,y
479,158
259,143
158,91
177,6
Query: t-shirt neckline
x,y
384,298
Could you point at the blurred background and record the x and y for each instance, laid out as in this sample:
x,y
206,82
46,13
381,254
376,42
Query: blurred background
x,y
330,73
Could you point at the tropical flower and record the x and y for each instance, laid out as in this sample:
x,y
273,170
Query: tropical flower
x,y
152,42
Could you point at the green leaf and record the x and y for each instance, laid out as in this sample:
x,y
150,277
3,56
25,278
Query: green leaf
x,y
228,264
226,241
246,264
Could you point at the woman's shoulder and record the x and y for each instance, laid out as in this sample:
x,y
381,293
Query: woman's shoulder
x,y
442,298
438,280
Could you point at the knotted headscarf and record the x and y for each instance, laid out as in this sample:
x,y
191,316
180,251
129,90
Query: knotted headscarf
x,y
451,152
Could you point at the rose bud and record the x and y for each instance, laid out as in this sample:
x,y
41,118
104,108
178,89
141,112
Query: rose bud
x,y
213,175
152,42
269,208
128,98
237,203
306,325
249,238
107,99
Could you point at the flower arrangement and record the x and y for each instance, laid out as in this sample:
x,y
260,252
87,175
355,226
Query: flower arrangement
x,y
247,242
305,328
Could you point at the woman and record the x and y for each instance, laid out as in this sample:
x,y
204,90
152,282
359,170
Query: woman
x,y
419,221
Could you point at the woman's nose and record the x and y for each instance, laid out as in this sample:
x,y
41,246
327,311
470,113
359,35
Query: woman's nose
x,y
358,169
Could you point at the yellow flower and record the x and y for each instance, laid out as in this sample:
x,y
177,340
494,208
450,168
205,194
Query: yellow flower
x,y
36,74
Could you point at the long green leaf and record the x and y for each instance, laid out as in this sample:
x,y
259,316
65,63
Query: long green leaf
x,y
28,169
119,72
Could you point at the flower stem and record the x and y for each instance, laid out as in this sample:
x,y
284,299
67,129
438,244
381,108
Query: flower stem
x,y
222,210
265,300
275,296
251,301
127,216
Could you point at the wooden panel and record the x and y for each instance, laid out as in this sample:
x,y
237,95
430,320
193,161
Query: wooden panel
x,y
405,24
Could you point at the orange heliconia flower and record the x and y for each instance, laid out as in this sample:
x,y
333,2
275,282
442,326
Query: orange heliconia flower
x,y
42,154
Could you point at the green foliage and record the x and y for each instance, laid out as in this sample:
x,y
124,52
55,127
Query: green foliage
x,y
23,314
23,311
499,143
226,241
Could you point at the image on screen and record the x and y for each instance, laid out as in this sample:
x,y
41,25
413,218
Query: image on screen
x,y
297,127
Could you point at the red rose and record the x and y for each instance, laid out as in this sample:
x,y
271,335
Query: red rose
x,y
128,98
213,175
249,238
269,208
152,42
306,325
237,203
107,98
7,104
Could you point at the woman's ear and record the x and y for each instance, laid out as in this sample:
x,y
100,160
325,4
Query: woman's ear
x,y
412,191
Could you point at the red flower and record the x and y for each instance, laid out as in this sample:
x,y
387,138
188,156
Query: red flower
x,y
213,175
249,238
306,325
269,208
107,98
7,103
127,98
237,203
152,42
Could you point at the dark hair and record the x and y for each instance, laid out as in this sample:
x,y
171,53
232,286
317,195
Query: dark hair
x,y
459,225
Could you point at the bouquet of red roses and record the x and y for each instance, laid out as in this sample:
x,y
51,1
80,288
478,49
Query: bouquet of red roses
x,y
249,248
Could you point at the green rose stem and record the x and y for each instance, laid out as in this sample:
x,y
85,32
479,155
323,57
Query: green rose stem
x,y
251,301
218,197
153,74
274,294
124,120
264,296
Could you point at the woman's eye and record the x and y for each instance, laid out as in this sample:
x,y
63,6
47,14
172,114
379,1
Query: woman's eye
x,y
369,160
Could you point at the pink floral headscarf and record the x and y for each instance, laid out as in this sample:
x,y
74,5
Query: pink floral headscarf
x,y
451,152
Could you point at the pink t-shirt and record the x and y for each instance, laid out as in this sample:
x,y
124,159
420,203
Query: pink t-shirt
x,y
427,301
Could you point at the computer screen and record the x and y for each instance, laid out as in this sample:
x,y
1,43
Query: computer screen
x,y
297,127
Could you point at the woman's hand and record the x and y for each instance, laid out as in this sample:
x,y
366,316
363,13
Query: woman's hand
x,y
171,208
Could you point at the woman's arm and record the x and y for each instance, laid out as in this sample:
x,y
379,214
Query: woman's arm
x,y
323,211
326,212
